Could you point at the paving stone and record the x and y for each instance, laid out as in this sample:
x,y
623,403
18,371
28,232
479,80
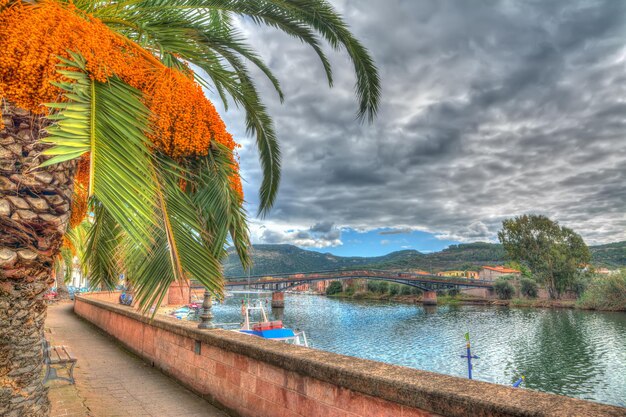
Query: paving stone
x,y
110,381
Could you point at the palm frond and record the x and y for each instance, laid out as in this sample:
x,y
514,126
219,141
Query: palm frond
x,y
182,249
220,205
66,260
201,33
109,121
103,249
78,237
144,223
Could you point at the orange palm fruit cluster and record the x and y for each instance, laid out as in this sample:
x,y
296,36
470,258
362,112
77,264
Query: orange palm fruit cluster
x,y
34,36
81,192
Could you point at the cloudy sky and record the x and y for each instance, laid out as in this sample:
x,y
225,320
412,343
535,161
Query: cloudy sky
x,y
490,109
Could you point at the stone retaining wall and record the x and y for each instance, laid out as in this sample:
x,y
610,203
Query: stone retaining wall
x,y
249,376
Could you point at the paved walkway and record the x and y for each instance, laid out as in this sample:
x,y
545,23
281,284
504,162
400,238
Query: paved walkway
x,y
110,381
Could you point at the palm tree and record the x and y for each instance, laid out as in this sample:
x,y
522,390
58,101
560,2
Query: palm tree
x,y
102,113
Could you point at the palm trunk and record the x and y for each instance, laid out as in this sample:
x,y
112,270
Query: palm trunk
x,y
62,292
34,211
59,277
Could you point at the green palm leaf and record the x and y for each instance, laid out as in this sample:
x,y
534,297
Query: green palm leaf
x,y
144,224
109,121
103,249
220,205
183,246
78,237
200,32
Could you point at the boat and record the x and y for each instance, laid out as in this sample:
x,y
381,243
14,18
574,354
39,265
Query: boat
x,y
188,312
267,329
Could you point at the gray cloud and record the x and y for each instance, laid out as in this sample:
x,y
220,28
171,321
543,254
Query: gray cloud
x,y
320,235
401,231
322,227
489,110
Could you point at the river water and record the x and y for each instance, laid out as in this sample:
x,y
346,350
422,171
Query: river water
x,y
576,353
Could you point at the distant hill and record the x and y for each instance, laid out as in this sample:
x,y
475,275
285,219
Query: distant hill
x,y
611,255
280,259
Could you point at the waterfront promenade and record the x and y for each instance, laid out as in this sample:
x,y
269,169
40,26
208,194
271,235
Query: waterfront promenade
x,y
258,378
110,381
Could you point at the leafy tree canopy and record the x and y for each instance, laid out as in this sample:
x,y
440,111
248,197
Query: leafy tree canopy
x,y
334,288
554,253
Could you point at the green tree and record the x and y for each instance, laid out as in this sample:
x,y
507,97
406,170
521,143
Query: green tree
x,y
157,216
581,283
526,272
528,287
554,253
335,287
503,289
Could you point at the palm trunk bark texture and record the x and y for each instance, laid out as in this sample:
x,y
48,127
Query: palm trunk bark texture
x,y
34,212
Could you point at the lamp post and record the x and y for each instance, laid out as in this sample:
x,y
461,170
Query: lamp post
x,y
206,316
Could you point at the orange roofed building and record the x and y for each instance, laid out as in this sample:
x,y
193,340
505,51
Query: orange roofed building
x,y
491,273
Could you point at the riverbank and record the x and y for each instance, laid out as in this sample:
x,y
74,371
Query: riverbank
x,y
462,299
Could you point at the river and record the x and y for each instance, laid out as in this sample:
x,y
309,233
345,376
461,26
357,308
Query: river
x,y
576,353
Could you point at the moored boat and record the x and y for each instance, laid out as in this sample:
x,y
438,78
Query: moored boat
x,y
267,329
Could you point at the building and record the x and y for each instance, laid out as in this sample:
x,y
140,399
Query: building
x,y
471,274
460,274
451,273
491,273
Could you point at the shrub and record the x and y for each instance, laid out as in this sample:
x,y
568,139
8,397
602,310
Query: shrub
x,y
406,290
383,287
504,289
580,284
334,288
507,278
453,292
606,293
394,289
416,291
529,288
373,286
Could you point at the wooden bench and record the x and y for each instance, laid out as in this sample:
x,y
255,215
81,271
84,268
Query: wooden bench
x,y
57,356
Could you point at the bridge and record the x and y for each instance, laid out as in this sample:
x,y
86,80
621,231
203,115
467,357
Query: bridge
x,y
430,284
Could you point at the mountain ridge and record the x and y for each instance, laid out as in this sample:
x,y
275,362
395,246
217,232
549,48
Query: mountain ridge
x,y
283,258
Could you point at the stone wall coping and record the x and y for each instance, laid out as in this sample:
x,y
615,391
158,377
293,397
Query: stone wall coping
x,y
437,393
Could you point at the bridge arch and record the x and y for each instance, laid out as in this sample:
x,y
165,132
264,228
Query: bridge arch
x,y
425,282
343,278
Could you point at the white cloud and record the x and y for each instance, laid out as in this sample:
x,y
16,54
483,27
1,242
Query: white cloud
x,y
317,236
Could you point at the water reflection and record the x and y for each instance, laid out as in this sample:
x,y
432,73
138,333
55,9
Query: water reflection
x,y
575,353
278,313
430,309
